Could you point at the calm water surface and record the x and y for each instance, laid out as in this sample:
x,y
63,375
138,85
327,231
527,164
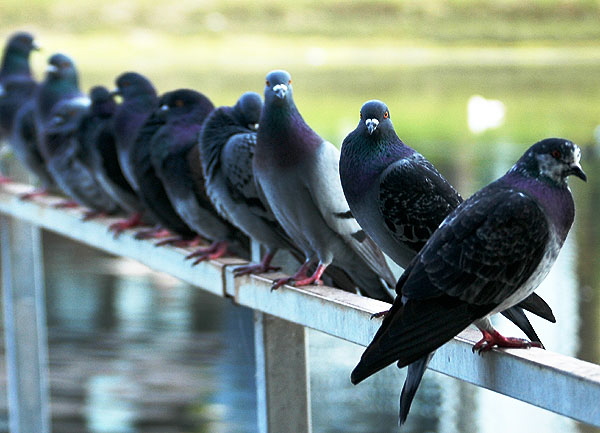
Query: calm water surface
x,y
134,351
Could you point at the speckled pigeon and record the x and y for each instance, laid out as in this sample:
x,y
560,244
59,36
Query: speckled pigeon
x,y
176,159
399,199
489,254
16,80
226,146
296,172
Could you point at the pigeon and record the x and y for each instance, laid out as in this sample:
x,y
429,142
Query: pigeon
x,y
296,172
17,83
176,158
488,254
149,186
64,156
399,198
60,83
226,146
97,139
139,102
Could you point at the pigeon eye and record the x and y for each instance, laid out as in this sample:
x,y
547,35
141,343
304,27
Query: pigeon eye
x,y
267,83
290,82
386,114
556,154
179,103
360,114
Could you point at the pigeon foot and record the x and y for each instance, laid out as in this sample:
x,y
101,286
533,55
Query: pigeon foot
x,y
33,194
119,227
4,180
66,204
153,233
493,339
378,315
214,251
315,278
260,268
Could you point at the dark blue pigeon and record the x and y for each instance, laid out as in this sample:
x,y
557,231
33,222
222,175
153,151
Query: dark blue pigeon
x,y
139,102
64,157
176,159
226,147
488,255
296,172
17,83
399,199
60,83
97,139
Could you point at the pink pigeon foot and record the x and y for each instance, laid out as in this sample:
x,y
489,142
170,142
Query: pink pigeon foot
x,y
298,281
214,251
493,339
119,227
260,268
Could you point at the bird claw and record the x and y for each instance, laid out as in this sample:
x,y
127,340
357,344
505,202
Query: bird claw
x,y
215,251
378,315
66,204
253,269
33,194
493,339
281,282
119,227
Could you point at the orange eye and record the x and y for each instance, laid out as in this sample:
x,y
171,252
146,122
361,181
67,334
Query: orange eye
x,y
290,82
386,114
556,154
179,103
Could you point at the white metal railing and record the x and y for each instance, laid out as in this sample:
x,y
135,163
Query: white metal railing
x,y
564,385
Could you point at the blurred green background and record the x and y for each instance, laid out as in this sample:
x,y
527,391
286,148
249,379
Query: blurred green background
x,y
425,59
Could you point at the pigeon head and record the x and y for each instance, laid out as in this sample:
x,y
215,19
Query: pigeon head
x,y
21,44
102,100
185,101
278,86
552,160
132,84
60,66
248,108
375,117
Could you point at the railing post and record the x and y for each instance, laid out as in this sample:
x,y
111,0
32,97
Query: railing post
x,y
25,327
282,376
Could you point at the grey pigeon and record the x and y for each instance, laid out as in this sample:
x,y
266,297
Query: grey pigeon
x,y
226,146
296,172
489,254
399,198
65,157
17,83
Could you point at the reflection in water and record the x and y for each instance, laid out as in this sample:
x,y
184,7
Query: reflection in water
x,y
134,351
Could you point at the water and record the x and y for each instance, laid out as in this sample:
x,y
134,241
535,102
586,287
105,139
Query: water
x,y
134,351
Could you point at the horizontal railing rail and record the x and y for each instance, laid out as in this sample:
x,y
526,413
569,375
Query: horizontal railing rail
x,y
559,383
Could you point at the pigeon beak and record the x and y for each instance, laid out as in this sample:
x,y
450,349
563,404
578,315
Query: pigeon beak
x,y
51,69
576,170
35,46
115,92
280,90
372,125
253,126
